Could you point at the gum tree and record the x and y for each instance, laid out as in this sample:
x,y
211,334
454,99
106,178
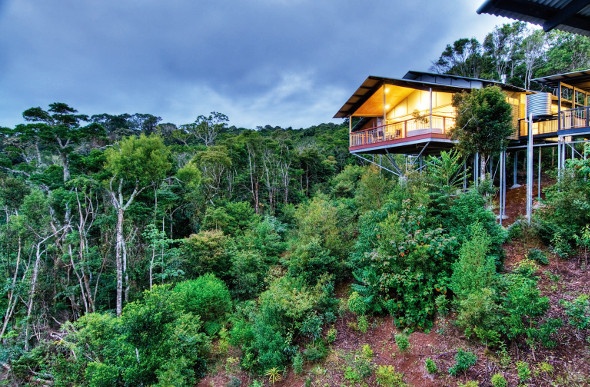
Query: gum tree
x,y
135,164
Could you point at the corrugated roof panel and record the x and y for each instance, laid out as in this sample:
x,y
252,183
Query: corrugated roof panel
x,y
567,15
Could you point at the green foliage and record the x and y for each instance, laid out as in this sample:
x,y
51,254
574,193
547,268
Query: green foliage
x,y
141,160
483,122
387,376
498,380
331,335
480,315
206,252
356,304
233,218
578,311
359,364
154,342
274,375
402,341
523,306
208,297
538,256
430,366
566,211
446,173
309,260
289,310
463,361
315,351
401,262
473,270
362,323
298,363
523,371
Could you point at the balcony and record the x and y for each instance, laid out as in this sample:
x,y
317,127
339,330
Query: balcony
x,y
401,132
573,121
577,118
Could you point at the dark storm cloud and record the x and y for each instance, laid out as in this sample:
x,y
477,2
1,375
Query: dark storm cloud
x,y
288,63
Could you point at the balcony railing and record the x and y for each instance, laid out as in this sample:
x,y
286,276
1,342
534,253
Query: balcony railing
x,y
570,119
402,130
575,118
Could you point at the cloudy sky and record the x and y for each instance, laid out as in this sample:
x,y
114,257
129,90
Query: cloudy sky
x,y
291,63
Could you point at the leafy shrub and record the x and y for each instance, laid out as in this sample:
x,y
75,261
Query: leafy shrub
x,y
362,324
473,270
538,256
247,272
267,334
367,351
442,304
208,297
402,342
430,366
523,370
463,361
331,335
480,315
156,330
498,380
206,252
298,363
309,260
386,376
524,307
356,304
566,211
315,351
469,383
401,267
527,268
578,311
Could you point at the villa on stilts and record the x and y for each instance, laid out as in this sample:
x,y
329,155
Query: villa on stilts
x,y
413,116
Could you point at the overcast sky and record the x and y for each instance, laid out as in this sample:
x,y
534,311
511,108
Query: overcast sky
x,y
291,63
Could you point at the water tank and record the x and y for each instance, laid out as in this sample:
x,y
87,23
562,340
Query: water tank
x,y
539,105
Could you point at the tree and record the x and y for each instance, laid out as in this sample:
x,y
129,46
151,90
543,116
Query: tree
x,y
58,129
462,58
484,122
134,164
207,128
503,47
534,48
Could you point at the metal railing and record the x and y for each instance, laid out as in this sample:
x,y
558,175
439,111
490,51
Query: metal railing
x,y
402,129
570,119
575,118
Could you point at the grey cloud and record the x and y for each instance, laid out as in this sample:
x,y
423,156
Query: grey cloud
x,y
288,63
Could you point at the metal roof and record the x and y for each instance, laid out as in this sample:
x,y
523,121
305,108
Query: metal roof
x,y
567,15
579,79
418,81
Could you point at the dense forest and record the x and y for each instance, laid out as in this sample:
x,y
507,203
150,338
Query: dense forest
x,y
135,252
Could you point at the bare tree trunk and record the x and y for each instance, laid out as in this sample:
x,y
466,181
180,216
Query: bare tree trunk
x,y
11,297
120,246
120,242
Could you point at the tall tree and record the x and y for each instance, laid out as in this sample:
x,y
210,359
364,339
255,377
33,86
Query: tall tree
x,y
207,128
57,129
503,46
533,48
135,164
462,58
